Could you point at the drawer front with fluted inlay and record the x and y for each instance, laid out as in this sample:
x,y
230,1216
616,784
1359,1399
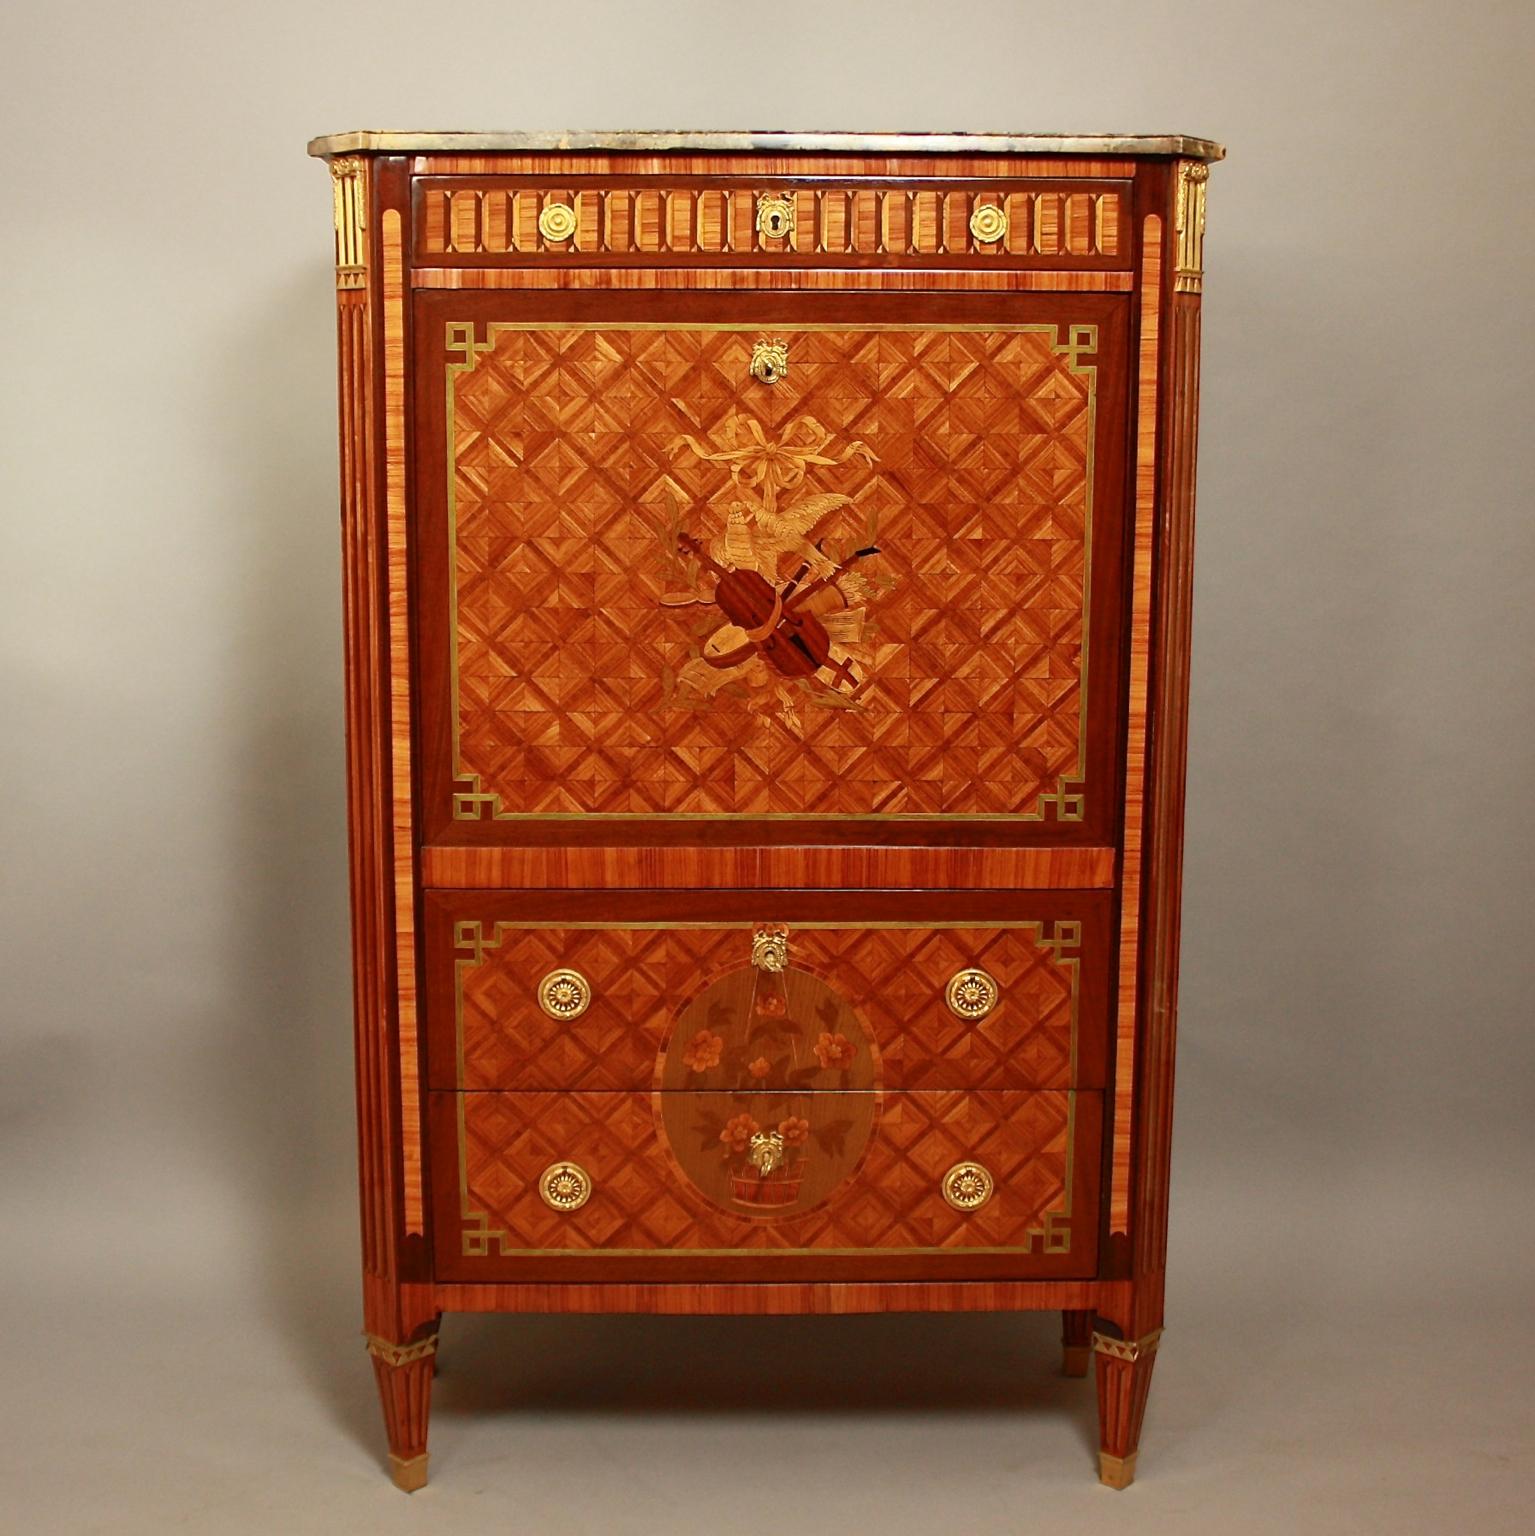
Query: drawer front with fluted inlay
x,y
494,221
822,1184
770,990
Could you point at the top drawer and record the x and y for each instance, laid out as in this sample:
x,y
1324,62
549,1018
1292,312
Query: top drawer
x,y
507,221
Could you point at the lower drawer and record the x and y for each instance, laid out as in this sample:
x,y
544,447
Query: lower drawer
x,y
684,1186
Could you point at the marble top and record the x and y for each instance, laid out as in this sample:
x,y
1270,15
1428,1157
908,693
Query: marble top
x,y
653,141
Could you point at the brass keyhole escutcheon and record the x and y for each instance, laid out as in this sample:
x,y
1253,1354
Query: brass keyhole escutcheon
x,y
968,1186
988,223
564,994
775,214
770,949
770,361
765,1151
972,993
557,221
565,1186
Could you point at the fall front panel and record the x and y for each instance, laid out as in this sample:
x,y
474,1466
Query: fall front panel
x,y
699,1186
733,992
882,588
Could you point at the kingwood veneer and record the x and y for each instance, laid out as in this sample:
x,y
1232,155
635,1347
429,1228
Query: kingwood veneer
x,y
767,569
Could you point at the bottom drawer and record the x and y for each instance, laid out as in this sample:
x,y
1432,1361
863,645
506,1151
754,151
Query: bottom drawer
x,y
682,1186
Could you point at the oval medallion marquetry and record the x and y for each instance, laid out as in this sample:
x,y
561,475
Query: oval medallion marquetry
x,y
766,1091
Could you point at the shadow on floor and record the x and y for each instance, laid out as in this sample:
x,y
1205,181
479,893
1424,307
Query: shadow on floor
x,y
818,1365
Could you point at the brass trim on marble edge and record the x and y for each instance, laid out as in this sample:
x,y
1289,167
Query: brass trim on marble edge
x,y
1129,1350
652,141
1189,227
390,1353
471,801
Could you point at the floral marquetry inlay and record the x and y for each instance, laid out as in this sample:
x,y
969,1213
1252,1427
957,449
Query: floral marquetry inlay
x,y
766,1089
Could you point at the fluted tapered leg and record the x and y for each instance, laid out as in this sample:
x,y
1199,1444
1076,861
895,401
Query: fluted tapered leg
x,y
1076,1342
1124,1379
404,1374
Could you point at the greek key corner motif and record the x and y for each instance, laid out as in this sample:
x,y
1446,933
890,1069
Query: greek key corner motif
x,y
1077,340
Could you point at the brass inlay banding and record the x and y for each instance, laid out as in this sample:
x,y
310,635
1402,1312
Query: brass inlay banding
x,y
972,993
968,1186
564,994
565,1186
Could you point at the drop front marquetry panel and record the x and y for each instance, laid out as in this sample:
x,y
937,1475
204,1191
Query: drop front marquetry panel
x,y
1047,1030
936,488
495,222
666,1196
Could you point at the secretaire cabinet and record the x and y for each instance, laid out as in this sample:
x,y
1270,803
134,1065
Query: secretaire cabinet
x,y
767,567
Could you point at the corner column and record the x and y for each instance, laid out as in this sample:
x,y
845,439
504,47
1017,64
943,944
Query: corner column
x,y
371,203
1170,212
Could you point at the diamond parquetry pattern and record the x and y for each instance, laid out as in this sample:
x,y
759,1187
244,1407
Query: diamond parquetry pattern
x,y
567,450
642,979
892,1201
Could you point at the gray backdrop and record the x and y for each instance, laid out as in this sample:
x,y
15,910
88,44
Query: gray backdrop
x,y
1349,1343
